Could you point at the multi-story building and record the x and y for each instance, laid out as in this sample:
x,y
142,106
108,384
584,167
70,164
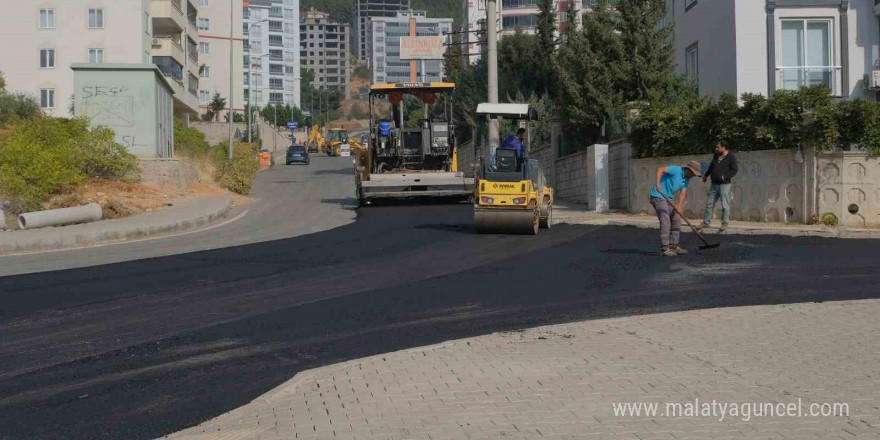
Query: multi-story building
x,y
324,50
220,26
272,52
513,16
50,35
760,46
384,47
364,10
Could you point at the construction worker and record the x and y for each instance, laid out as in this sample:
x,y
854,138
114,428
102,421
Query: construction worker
x,y
670,180
515,142
722,170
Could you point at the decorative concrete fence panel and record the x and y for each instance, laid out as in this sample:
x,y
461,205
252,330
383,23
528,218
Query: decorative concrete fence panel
x,y
768,188
849,188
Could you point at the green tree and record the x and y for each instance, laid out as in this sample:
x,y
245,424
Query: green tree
x,y
2,83
546,32
217,104
647,49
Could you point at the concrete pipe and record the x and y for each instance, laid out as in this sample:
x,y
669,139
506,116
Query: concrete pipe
x,y
57,217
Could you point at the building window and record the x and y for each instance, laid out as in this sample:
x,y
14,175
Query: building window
x,y
519,22
204,2
275,11
204,96
47,58
807,54
96,18
205,72
47,98
96,56
204,24
204,48
692,61
47,19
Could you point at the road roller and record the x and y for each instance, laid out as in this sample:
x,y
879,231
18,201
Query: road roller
x,y
511,195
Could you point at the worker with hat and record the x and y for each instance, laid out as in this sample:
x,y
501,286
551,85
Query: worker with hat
x,y
672,179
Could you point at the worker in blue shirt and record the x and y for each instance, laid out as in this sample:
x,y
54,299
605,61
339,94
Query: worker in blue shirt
x,y
670,180
515,142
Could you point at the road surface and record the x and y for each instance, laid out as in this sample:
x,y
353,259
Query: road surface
x,y
143,348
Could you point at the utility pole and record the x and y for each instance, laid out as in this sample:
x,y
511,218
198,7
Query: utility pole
x,y
492,37
274,140
231,74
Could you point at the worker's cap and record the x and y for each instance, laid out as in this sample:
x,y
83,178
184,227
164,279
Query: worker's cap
x,y
693,166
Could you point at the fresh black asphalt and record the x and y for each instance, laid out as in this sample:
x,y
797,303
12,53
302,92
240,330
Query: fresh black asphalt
x,y
140,349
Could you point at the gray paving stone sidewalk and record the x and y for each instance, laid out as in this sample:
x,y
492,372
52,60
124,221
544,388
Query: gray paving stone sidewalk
x,y
565,212
561,381
183,215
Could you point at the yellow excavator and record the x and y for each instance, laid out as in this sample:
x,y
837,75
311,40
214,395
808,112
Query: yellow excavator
x,y
338,137
316,140
511,195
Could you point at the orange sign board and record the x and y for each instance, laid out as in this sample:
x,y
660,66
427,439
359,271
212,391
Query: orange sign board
x,y
421,48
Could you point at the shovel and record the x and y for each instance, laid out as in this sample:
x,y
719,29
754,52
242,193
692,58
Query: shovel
x,y
706,244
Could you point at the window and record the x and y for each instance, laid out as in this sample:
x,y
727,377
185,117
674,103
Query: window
x,y
47,58
276,40
807,54
204,96
96,56
47,20
204,48
276,83
519,22
96,18
204,2
205,72
204,24
276,97
275,11
692,58
47,98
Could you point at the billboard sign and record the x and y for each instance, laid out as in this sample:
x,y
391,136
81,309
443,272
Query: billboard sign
x,y
421,48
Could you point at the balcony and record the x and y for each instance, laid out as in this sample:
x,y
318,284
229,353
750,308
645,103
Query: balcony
x,y
168,46
168,16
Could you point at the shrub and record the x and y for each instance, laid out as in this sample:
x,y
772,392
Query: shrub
x,y
17,105
38,160
44,156
237,174
188,141
829,219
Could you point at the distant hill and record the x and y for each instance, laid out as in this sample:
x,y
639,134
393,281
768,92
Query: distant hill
x,y
344,9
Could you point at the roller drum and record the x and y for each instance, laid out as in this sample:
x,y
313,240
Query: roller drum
x,y
506,221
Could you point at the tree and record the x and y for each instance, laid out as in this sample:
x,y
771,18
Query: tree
x,y
647,49
546,32
2,83
217,104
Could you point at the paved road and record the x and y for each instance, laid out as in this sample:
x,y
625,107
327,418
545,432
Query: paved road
x,y
143,348
290,201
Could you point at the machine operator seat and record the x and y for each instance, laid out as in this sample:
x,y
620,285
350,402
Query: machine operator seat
x,y
506,160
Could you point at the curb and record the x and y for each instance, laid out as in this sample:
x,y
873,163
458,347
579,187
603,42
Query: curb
x,y
142,225
842,233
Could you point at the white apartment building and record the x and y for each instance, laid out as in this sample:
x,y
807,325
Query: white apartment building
x,y
324,50
759,46
364,10
384,48
42,40
272,52
217,19
513,16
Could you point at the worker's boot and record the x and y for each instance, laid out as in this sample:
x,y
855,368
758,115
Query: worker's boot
x,y
679,250
668,253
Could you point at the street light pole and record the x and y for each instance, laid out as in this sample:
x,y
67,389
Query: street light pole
x,y
274,140
231,73
250,110
491,17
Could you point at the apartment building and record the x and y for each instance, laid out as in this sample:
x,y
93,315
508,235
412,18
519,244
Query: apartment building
x,y
364,10
324,50
384,47
513,16
220,25
272,52
50,35
761,46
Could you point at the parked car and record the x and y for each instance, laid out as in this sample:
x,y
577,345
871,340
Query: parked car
x,y
297,154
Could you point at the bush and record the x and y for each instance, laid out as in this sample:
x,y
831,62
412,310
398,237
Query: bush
x,y
38,160
45,156
237,174
188,141
17,105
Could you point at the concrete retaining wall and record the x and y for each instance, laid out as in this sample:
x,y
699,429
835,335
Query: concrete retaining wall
x,y
619,156
217,132
849,188
162,172
769,187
